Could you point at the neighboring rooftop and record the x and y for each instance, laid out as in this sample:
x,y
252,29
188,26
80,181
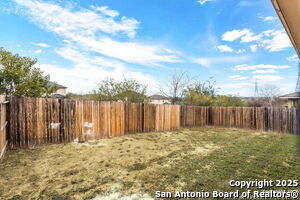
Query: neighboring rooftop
x,y
158,97
58,85
295,95
57,96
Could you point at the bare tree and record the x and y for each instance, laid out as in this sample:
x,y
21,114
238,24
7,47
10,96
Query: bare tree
x,y
176,86
270,93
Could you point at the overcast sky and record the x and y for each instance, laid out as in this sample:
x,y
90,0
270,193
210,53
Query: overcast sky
x,y
81,42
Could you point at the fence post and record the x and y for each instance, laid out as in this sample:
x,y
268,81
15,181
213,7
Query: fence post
x,y
182,117
297,125
3,125
210,117
297,121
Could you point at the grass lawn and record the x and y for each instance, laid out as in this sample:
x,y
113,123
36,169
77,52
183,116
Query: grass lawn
x,y
136,166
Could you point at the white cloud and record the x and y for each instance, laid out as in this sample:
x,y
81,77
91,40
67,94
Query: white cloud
x,y
234,34
84,59
202,2
245,35
64,21
38,51
83,78
67,41
237,77
268,18
293,58
267,78
244,3
206,62
129,51
106,11
253,47
91,41
209,61
88,29
264,71
89,70
42,45
241,51
250,37
278,42
260,66
236,85
271,40
224,48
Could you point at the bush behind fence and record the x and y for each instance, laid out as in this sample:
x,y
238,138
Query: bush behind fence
x,y
37,121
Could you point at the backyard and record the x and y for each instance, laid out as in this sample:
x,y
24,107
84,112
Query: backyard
x,y
136,166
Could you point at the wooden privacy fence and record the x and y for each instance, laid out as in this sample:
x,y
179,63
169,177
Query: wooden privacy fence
x,y
36,121
277,119
3,124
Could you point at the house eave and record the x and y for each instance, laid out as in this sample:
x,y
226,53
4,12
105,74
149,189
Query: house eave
x,y
289,97
289,15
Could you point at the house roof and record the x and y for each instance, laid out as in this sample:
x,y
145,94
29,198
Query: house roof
x,y
289,14
295,95
158,97
57,96
58,85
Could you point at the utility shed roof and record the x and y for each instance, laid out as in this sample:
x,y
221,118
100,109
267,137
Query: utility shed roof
x,y
295,95
289,14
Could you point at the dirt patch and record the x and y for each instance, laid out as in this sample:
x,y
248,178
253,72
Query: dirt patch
x,y
133,166
205,149
83,170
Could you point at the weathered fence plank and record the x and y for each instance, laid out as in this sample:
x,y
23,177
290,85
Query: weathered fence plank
x,y
37,121
3,125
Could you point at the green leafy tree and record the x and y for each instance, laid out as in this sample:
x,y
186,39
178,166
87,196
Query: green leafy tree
x,y
227,101
205,94
19,77
206,88
79,96
200,94
193,97
127,90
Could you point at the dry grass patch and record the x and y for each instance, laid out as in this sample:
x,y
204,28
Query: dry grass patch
x,y
135,166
